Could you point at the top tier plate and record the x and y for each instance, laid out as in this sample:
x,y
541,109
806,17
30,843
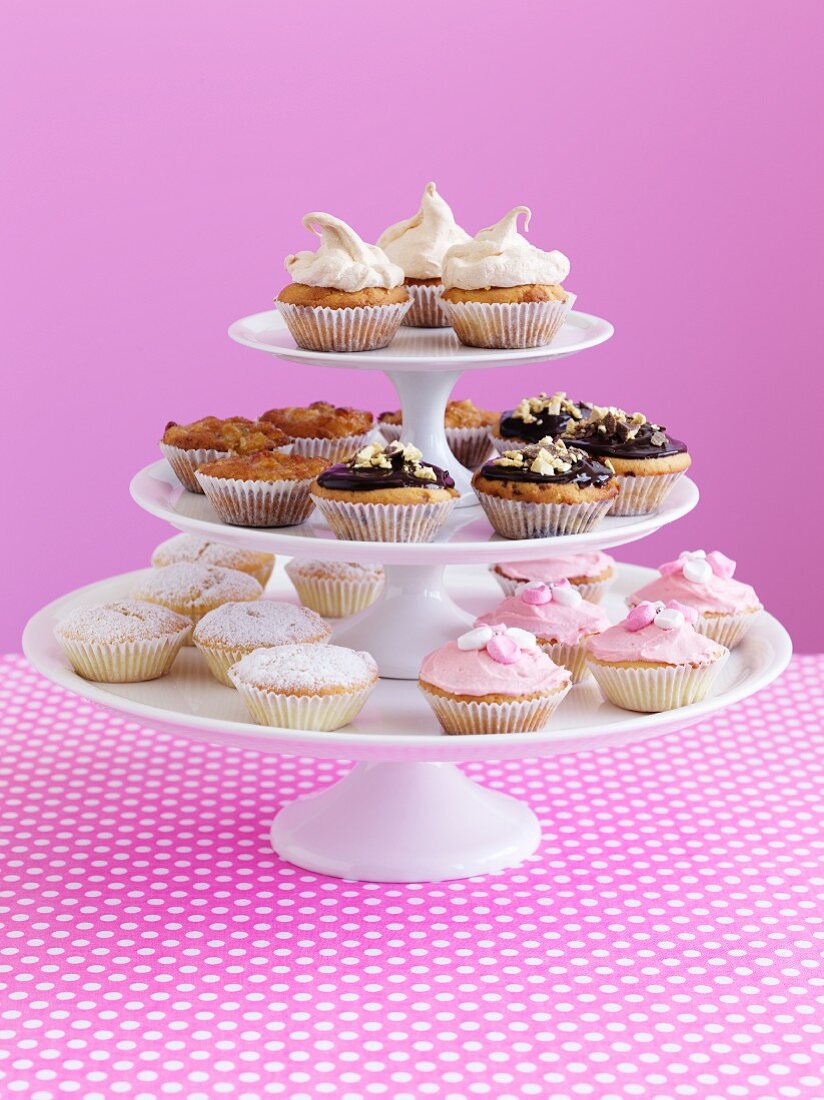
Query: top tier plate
x,y
418,349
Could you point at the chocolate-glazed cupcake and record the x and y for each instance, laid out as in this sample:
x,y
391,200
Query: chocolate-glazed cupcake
x,y
385,494
646,460
535,418
545,489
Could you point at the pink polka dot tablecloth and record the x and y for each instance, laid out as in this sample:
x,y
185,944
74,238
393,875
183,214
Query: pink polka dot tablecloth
x,y
665,941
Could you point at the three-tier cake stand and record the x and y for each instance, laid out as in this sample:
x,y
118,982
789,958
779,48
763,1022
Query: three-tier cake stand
x,y
405,812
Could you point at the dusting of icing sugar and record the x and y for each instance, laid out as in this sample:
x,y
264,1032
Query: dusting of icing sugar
x,y
123,621
192,548
306,669
260,623
189,584
333,570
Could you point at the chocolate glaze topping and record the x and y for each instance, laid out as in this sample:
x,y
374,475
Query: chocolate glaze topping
x,y
397,472
545,424
583,469
650,441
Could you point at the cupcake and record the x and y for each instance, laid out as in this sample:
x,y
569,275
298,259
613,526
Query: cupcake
x,y
192,590
335,589
655,659
192,548
321,431
502,292
235,629
591,572
546,489
187,446
347,296
122,643
305,687
418,245
466,426
647,461
726,608
262,490
559,617
493,679
385,494
534,419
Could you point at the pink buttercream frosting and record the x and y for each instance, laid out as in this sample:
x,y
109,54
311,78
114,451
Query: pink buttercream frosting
x,y
678,646
475,672
550,621
589,564
721,595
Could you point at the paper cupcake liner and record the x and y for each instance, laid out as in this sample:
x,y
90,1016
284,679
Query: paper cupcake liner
x,y
359,328
470,446
125,662
426,310
526,520
390,432
572,657
258,503
333,450
590,590
185,463
500,444
727,630
507,324
643,493
385,522
457,716
303,712
221,660
655,689
336,599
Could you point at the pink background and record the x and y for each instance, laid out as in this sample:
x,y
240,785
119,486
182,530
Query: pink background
x,y
159,158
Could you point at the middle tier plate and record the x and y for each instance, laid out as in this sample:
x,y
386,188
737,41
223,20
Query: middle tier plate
x,y
465,539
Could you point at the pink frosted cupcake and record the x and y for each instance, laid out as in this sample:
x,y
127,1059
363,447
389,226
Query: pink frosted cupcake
x,y
591,572
559,617
655,659
492,680
726,608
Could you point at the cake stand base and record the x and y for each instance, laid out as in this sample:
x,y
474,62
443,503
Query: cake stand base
x,y
405,822
413,615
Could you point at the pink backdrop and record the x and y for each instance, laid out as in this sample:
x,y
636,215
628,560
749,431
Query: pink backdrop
x,y
159,158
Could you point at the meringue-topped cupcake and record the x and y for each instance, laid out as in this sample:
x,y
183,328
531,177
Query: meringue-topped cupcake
x,y
655,659
559,617
590,571
502,292
726,607
647,461
347,296
418,245
535,418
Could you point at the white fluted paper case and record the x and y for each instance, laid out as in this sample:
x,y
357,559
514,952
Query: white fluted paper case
x,y
333,450
457,716
642,494
651,690
507,324
516,519
124,662
321,713
336,599
571,657
727,630
355,328
426,310
258,503
185,463
590,590
470,446
385,522
390,432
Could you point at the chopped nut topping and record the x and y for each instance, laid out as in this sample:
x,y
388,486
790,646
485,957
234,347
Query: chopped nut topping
x,y
392,456
529,409
607,420
548,457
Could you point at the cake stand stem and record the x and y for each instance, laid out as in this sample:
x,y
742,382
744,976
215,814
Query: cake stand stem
x,y
423,396
413,616
405,822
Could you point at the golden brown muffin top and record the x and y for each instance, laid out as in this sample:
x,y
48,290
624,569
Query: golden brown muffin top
x,y
320,420
265,466
235,434
299,294
459,414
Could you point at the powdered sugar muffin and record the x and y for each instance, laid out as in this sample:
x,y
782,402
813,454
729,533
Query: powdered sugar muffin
x,y
559,617
187,446
590,571
262,490
726,607
655,659
192,548
466,426
493,679
321,430
335,589
305,687
123,642
193,590
235,629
